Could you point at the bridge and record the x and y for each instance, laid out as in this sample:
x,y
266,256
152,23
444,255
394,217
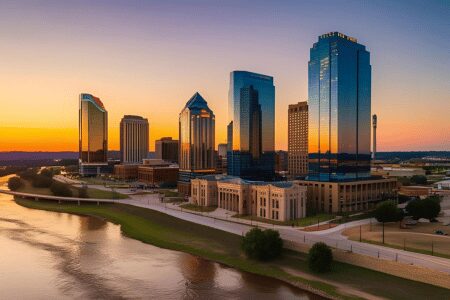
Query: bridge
x,y
57,198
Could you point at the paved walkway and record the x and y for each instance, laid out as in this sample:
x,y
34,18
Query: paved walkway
x,y
293,235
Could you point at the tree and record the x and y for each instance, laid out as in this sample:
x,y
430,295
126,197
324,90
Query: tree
x,y
320,258
387,211
262,245
414,209
47,172
418,179
60,189
28,174
42,181
82,192
428,208
14,183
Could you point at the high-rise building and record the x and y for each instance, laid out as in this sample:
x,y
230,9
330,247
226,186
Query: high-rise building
x,y
167,149
197,142
93,135
339,99
298,139
134,135
374,133
251,128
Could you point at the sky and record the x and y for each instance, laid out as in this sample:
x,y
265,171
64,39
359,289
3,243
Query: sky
x,y
149,57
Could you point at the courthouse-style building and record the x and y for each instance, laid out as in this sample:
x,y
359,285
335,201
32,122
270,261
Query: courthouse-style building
x,y
278,201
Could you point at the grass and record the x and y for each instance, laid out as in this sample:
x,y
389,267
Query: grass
x,y
298,222
194,207
419,238
351,218
168,232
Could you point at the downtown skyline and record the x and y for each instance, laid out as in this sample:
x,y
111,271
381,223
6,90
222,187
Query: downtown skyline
x,y
150,54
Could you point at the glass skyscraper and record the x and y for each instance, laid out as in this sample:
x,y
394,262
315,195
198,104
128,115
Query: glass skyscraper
x,y
251,128
93,135
196,142
339,92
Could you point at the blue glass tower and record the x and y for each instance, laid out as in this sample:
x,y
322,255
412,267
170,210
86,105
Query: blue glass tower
x,y
339,100
251,128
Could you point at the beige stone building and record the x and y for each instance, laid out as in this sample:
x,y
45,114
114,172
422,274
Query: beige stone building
x,y
335,197
279,201
298,139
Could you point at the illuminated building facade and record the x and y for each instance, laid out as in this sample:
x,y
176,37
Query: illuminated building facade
x,y
196,142
134,135
298,139
339,100
93,136
251,127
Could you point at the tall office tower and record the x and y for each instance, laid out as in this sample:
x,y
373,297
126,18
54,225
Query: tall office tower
x,y
374,133
339,99
93,135
134,135
298,139
251,128
197,142
167,149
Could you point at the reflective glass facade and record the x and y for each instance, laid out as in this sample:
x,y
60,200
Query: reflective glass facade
x,y
251,128
93,130
339,92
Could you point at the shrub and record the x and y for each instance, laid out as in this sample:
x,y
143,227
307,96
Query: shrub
x,y
42,181
82,192
47,172
262,245
14,183
320,258
60,189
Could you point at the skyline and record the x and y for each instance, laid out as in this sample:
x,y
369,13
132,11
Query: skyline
x,y
154,62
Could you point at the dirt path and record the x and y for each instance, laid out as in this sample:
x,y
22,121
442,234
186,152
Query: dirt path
x,y
342,288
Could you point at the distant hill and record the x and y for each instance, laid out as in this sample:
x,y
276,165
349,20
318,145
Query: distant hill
x,y
19,155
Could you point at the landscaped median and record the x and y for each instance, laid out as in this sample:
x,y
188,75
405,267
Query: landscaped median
x,y
169,232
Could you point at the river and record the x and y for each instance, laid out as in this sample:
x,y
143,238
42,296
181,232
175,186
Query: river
x,y
62,256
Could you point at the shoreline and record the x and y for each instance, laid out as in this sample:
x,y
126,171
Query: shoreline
x,y
150,233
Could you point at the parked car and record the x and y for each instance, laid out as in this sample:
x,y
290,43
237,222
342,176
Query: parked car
x,y
440,232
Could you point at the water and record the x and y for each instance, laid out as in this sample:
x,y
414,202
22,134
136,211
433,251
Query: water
x,y
56,255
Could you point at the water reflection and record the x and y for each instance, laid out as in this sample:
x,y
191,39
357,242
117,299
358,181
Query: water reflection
x,y
56,255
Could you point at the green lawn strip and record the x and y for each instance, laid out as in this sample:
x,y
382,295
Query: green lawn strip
x,y
169,232
411,249
168,193
298,222
194,207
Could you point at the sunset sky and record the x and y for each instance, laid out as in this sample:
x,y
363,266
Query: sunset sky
x,y
149,57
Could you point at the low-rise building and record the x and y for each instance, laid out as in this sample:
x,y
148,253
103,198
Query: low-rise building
x,y
126,171
279,201
415,191
348,196
157,172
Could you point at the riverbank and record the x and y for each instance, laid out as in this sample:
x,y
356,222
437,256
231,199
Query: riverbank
x,y
168,232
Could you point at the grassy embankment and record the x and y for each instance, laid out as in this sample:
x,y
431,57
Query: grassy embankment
x,y
168,232
307,221
198,208
91,192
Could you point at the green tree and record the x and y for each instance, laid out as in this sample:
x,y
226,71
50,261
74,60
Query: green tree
x,y
320,258
428,208
42,181
47,172
14,183
387,211
82,192
60,189
418,179
262,245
